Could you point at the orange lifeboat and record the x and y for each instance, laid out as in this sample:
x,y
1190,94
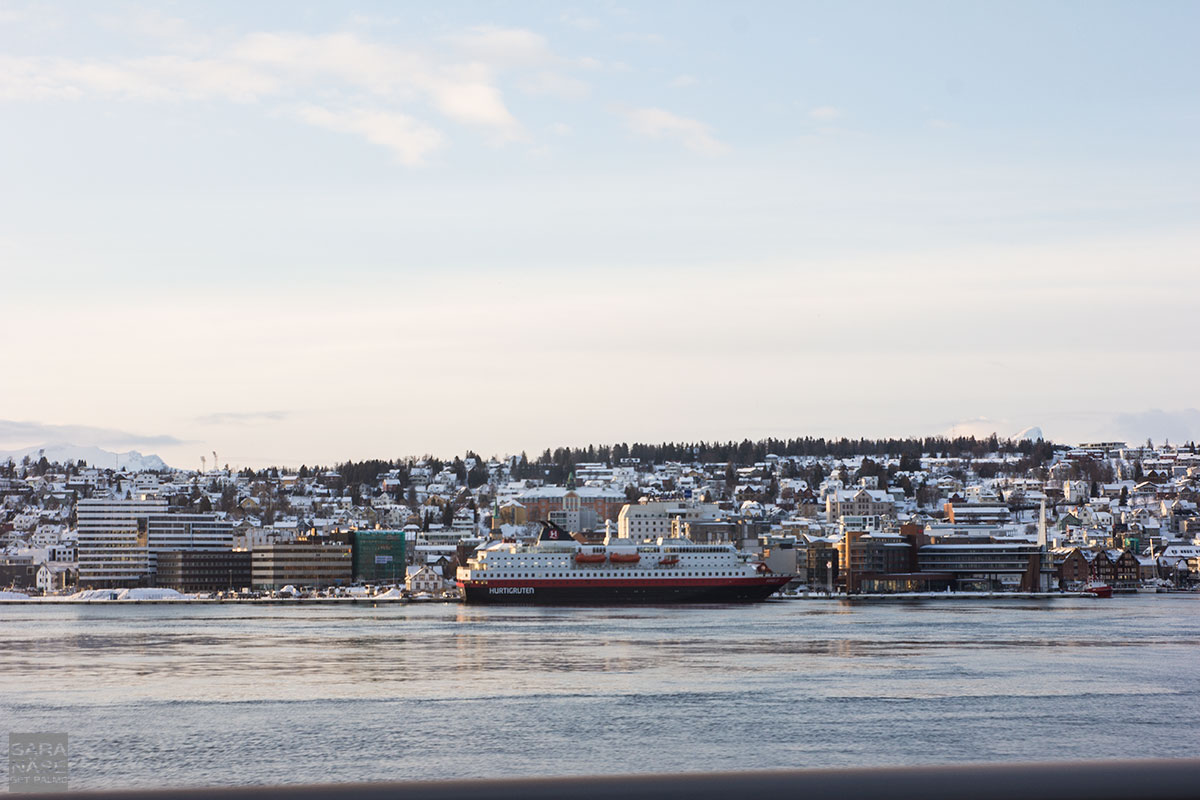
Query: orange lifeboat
x,y
624,558
590,558
669,561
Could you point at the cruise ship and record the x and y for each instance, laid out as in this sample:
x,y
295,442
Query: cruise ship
x,y
561,568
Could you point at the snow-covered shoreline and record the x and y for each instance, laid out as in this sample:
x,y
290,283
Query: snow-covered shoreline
x,y
939,596
124,597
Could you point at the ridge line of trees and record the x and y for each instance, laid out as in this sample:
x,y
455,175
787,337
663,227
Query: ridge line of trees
x,y
556,464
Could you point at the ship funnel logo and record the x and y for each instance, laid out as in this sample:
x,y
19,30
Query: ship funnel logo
x,y
551,531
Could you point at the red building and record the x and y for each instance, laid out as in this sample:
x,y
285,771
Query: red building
x,y
539,502
1072,567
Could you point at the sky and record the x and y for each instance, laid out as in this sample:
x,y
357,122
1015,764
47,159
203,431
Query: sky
x,y
310,232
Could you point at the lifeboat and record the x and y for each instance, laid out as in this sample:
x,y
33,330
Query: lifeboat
x,y
624,558
590,558
669,561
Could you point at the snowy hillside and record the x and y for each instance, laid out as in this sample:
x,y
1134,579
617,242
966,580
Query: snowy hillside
x,y
94,456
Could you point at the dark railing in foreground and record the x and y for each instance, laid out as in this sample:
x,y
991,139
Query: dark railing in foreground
x,y
1077,780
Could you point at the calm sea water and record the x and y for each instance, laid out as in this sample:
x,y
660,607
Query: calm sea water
x,y
238,694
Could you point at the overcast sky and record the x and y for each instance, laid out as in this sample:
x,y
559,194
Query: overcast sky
x,y
318,231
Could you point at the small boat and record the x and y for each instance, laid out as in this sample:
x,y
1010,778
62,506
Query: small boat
x,y
1098,589
590,558
624,558
669,561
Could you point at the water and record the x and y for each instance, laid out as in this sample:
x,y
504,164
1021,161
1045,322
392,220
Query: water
x,y
236,694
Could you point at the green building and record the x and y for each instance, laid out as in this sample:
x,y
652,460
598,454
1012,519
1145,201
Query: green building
x,y
379,556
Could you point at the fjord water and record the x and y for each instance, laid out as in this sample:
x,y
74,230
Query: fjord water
x,y
177,695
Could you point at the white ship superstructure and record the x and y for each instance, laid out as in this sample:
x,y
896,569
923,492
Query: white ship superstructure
x,y
560,568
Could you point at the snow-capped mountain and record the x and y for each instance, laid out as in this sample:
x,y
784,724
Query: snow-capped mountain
x,y
94,456
1032,433
983,427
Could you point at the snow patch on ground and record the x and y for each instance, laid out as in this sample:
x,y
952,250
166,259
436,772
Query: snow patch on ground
x,y
130,594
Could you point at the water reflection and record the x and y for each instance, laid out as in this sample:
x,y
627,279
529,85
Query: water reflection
x,y
159,694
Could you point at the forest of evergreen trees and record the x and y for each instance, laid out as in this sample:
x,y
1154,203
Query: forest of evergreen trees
x,y
556,464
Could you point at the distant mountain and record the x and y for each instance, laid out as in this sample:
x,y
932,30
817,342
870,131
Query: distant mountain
x,y
1032,433
94,456
983,427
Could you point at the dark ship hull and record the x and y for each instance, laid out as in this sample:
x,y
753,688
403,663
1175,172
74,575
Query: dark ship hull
x,y
622,591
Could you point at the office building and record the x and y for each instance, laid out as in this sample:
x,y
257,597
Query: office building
x,y
113,543
303,563
203,570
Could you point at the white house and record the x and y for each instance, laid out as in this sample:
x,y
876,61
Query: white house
x,y
53,576
423,579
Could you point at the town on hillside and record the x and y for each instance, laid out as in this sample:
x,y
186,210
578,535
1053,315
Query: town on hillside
x,y
843,517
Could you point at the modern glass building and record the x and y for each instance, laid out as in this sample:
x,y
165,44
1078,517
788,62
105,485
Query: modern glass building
x,y
379,556
991,567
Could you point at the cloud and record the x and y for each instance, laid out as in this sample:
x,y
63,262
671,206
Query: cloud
x,y
980,428
642,38
40,17
155,26
152,79
24,433
474,102
825,113
656,123
582,23
683,82
556,84
503,46
241,417
409,140
1176,426
465,93
384,84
